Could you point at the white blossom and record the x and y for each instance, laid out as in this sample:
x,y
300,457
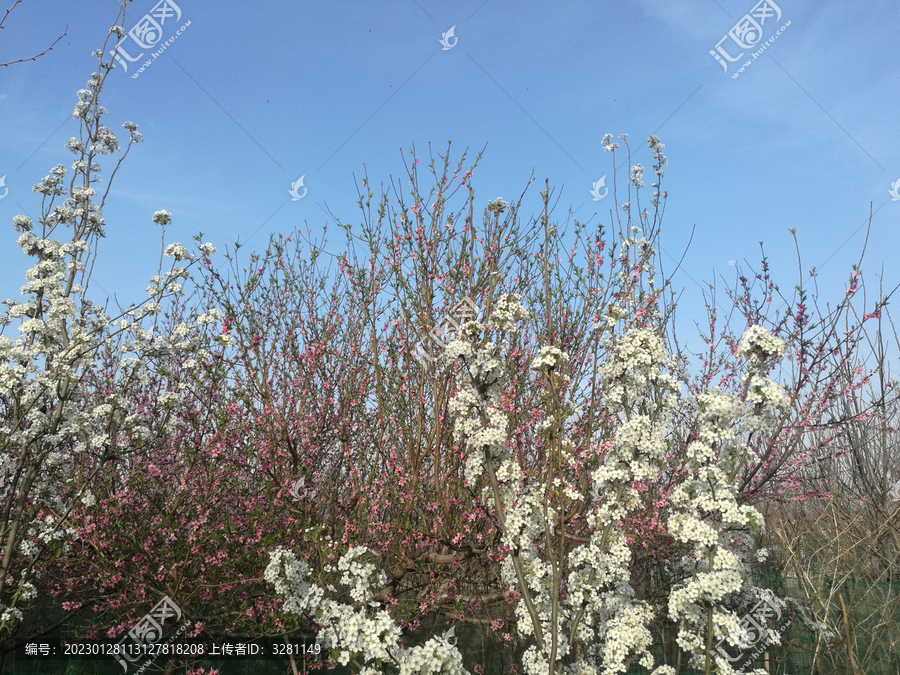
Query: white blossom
x,y
57,324
613,625
761,344
364,633
177,251
162,218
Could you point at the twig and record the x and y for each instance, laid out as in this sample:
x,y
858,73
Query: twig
x,y
33,58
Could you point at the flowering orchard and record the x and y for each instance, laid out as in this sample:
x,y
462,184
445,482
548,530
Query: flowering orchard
x,y
61,415
652,488
275,460
598,616
733,440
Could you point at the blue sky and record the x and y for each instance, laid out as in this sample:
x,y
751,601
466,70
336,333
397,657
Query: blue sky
x,y
249,97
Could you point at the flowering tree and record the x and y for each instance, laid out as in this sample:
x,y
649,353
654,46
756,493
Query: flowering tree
x,y
374,639
47,427
850,535
598,608
187,516
315,431
669,474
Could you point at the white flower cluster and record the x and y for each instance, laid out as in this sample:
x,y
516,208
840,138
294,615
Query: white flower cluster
x,y
497,206
478,415
599,607
168,398
637,440
549,358
370,635
507,312
212,316
58,325
22,223
178,252
633,363
288,576
707,509
11,616
637,174
597,584
162,217
28,591
225,340
459,349
608,145
717,411
764,392
49,529
524,525
656,148
761,344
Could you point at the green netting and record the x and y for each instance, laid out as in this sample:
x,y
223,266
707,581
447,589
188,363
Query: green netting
x,y
873,616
